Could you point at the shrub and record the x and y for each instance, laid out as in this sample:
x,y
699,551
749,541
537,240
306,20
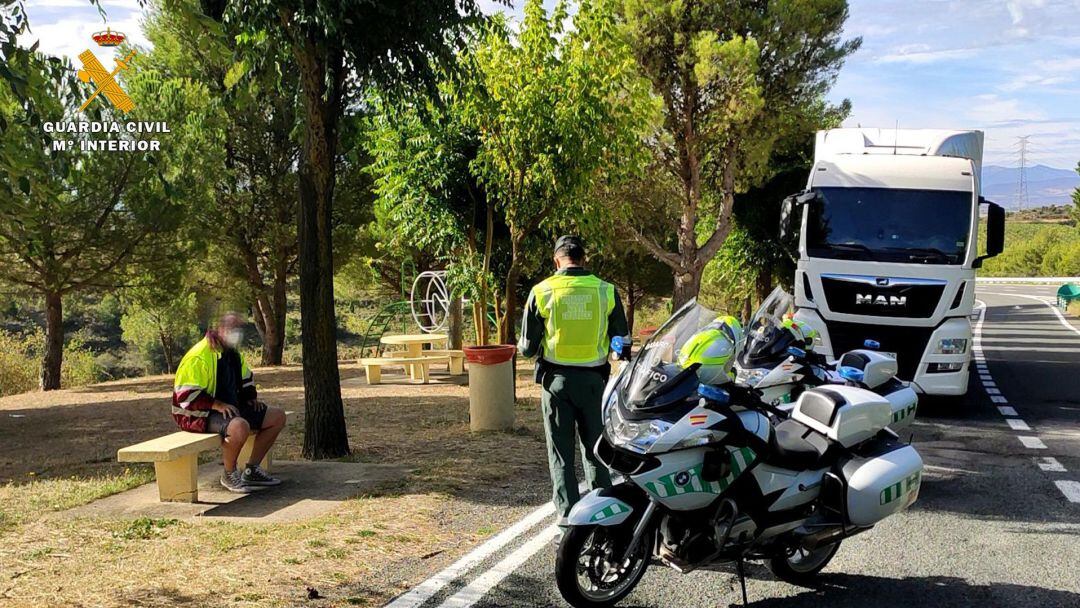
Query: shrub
x,y
19,368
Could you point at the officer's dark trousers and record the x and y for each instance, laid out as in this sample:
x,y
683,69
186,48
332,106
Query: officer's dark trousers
x,y
571,402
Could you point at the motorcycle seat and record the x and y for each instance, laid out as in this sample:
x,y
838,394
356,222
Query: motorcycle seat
x,y
797,446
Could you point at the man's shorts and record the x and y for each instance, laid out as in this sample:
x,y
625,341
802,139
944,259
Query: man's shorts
x,y
216,422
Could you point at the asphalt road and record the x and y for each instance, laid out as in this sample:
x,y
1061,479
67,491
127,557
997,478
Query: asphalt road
x,y
994,524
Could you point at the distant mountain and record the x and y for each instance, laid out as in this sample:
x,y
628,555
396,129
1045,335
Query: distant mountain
x,y
1046,185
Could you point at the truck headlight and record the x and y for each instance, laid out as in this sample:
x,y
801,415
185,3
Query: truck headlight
x,y
951,346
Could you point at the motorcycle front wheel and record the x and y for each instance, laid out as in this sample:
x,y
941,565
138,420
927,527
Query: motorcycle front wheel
x,y
588,571
801,566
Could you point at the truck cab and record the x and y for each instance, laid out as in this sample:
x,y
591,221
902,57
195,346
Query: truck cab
x,y
888,247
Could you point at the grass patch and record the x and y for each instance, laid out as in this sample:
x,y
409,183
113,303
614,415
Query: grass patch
x,y
21,502
143,528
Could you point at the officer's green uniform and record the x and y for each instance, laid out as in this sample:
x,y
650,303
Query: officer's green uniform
x,y
569,321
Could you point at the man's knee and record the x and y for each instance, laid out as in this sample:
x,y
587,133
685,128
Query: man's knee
x,y
275,417
238,428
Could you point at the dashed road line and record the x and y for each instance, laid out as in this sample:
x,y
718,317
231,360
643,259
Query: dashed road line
x,y
1032,443
998,399
1050,464
1071,489
1017,424
1007,410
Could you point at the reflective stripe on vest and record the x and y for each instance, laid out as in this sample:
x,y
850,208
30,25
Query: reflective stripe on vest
x,y
575,310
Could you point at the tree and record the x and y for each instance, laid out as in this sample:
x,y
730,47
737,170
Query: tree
x,y
555,112
249,220
75,221
729,75
1076,201
338,48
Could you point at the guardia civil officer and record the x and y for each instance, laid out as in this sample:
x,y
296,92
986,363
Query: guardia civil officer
x,y
568,324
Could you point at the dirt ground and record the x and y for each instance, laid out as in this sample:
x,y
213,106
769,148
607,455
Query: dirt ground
x,y
57,450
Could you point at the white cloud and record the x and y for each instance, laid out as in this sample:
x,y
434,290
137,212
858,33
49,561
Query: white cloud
x,y
69,36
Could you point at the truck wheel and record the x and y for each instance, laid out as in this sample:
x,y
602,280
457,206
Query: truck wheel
x,y
802,566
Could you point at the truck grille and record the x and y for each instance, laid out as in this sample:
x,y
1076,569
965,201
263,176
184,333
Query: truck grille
x,y
882,296
909,343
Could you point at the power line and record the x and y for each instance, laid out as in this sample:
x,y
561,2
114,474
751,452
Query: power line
x,y
1022,183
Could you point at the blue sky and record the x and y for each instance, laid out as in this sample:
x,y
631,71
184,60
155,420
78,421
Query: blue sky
x,y
1009,67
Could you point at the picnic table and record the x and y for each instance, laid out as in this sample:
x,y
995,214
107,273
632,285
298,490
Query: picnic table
x,y
414,348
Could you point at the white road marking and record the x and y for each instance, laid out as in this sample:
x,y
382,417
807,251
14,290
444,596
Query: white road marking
x,y
471,593
1032,443
1017,424
1007,410
1071,489
1050,464
987,380
1061,317
998,399
992,391
422,592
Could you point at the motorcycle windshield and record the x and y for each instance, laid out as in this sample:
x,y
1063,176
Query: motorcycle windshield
x,y
658,360
766,341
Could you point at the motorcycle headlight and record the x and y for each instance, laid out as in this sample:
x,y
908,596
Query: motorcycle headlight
x,y
750,377
952,346
638,436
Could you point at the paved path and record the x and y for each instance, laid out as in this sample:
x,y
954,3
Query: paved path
x,y
997,522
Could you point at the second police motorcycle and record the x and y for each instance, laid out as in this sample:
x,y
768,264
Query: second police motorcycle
x,y
709,474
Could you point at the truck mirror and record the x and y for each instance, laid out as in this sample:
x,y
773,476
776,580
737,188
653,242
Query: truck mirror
x,y
786,208
995,232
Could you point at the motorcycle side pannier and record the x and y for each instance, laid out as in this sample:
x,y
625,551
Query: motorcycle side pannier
x,y
880,484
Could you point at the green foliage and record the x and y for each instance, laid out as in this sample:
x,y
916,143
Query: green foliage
x,y
160,331
19,369
735,79
1033,249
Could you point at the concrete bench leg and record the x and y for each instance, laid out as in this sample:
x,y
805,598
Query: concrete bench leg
x,y
245,455
178,480
373,373
457,366
422,368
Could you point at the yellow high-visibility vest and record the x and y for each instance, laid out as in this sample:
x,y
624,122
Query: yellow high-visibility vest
x,y
575,310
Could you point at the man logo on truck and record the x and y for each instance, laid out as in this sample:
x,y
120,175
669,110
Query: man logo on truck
x,y
880,300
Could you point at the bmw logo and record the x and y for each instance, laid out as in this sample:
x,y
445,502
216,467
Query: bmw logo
x,y
682,478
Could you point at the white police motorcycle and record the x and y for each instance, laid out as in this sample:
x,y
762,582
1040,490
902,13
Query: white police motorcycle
x,y
712,475
780,364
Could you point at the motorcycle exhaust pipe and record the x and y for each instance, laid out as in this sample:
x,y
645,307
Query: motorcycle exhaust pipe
x,y
829,536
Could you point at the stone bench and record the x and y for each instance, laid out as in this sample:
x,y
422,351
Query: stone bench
x,y
176,461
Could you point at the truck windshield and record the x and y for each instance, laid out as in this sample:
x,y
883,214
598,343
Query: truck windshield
x,y
889,225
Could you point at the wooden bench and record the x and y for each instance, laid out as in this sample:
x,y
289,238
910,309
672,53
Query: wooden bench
x,y
176,461
416,367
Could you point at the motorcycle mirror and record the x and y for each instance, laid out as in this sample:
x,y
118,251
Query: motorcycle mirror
x,y
872,344
851,373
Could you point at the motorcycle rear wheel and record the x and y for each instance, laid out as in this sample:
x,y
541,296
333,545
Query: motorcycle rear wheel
x,y
582,552
802,567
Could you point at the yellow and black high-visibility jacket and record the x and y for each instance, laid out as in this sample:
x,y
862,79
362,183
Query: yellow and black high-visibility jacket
x,y
196,385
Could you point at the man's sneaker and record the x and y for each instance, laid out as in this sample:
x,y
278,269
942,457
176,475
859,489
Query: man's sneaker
x,y
256,476
234,482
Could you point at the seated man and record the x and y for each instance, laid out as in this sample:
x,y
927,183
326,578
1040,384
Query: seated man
x,y
214,392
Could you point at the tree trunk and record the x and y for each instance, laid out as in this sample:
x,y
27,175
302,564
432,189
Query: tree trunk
x,y
166,351
456,323
631,307
507,335
54,342
763,284
687,286
325,435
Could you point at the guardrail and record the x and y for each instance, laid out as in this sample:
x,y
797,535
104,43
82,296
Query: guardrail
x,y
1029,280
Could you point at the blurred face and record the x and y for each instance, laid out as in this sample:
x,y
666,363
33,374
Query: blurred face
x,y
230,329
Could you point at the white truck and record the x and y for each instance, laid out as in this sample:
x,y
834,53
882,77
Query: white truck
x,y
888,247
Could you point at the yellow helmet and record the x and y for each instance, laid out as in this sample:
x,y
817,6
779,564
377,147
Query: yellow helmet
x,y
714,348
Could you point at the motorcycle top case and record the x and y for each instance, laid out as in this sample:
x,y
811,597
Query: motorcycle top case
x,y
877,368
846,414
881,484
